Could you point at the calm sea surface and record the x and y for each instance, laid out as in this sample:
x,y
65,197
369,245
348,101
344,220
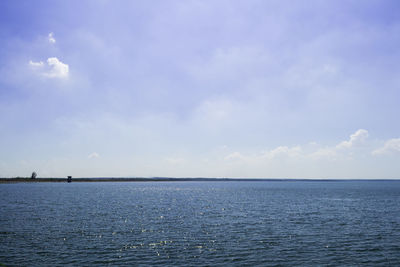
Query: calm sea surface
x,y
200,223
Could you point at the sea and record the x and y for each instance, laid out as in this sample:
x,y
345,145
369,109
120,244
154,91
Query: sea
x,y
211,223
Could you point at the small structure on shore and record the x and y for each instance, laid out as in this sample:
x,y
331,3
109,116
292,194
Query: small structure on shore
x,y
69,179
33,176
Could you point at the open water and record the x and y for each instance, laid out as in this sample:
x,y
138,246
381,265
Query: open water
x,y
281,223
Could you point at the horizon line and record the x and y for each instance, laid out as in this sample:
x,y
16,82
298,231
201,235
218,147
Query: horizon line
x,y
161,178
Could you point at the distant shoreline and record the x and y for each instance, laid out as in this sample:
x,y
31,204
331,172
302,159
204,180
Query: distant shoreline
x,y
166,179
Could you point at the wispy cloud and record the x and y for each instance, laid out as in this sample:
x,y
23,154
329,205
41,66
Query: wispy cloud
x,y
284,151
175,160
234,156
390,146
51,38
93,155
36,64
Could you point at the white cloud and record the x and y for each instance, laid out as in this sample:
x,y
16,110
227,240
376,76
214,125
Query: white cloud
x,y
357,138
390,146
283,151
54,68
36,64
57,68
279,152
93,155
51,38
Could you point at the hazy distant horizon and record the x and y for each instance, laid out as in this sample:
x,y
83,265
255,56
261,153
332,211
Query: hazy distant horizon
x,y
200,88
163,178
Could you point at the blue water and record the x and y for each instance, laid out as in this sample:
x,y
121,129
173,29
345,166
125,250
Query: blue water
x,y
200,223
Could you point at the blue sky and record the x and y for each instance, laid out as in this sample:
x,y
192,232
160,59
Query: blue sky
x,y
285,89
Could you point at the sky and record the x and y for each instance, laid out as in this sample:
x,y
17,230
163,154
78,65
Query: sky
x,y
255,88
